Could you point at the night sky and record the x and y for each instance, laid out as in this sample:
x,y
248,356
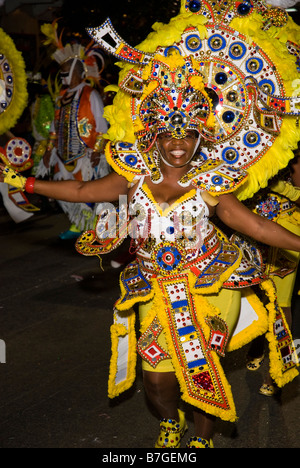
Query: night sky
x,y
131,18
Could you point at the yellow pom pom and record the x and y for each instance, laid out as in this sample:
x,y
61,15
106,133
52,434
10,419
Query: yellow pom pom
x,y
197,82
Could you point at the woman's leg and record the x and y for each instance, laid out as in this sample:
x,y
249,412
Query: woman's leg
x,y
256,352
204,424
162,391
257,347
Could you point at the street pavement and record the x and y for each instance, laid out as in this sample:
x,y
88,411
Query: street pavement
x,y
55,316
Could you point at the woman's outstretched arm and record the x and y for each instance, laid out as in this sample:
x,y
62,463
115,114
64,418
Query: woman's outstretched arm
x,y
239,218
107,188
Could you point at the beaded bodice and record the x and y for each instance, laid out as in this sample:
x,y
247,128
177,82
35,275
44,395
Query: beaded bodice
x,y
168,238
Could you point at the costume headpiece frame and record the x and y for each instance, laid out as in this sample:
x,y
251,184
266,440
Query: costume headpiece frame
x,y
251,83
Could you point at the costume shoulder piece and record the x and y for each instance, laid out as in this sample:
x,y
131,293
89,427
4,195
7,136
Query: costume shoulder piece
x,y
245,52
127,160
211,176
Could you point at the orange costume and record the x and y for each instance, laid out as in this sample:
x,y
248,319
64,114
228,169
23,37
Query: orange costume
x,y
78,125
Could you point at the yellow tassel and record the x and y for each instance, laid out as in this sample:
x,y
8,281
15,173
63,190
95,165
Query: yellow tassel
x,y
119,329
197,82
173,61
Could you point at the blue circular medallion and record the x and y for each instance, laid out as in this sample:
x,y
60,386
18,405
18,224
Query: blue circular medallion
x,y
254,65
168,258
228,116
269,208
131,159
221,78
194,6
230,155
216,42
125,145
251,139
237,50
244,8
217,180
169,50
170,230
193,42
267,86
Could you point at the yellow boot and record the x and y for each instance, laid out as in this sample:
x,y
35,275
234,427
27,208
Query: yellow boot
x,y
198,442
171,432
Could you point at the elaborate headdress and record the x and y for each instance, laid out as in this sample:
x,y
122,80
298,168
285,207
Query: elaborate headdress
x,y
246,53
88,55
167,95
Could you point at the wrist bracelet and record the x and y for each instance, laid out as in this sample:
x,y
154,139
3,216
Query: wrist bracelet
x,y
29,185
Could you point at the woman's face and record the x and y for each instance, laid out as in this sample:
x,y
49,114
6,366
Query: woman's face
x,y
177,152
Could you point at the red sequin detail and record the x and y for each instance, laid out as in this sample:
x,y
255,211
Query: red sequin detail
x,y
204,381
